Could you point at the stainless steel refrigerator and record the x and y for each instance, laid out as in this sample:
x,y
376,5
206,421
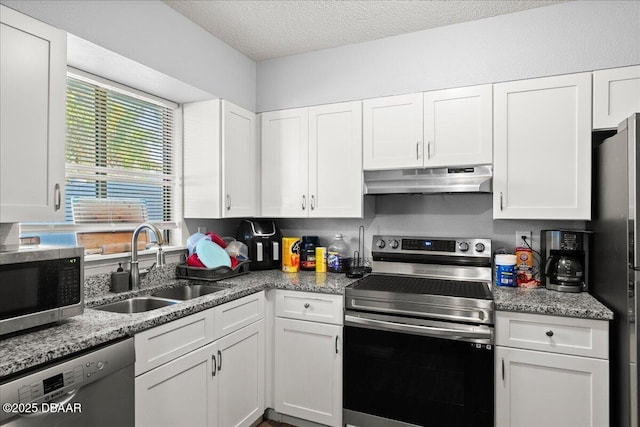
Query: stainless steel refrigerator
x,y
616,260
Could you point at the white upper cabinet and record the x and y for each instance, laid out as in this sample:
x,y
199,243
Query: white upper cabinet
x,y
201,135
312,162
450,127
458,127
392,132
285,152
33,61
616,95
239,161
335,160
220,160
542,148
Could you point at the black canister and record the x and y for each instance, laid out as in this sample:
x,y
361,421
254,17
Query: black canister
x,y
308,252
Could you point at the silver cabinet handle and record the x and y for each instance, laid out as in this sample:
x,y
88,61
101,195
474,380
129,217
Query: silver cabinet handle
x,y
313,202
213,360
337,343
418,150
228,202
306,305
501,200
503,369
219,360
304,202
57,196
428,149
549,333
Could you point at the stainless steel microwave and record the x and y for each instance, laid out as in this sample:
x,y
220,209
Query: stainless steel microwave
x,y
40,285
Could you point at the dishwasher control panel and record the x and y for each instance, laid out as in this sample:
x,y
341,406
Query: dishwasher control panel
x,y
60,382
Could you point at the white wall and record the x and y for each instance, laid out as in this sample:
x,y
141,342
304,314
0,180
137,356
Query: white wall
x,y
156,36
564,38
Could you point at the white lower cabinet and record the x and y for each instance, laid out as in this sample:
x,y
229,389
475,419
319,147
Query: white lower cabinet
x,y
308,358
220,384
547,389
177,393
239,393
551,371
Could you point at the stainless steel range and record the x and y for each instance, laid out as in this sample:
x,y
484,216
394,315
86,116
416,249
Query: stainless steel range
x,y
419,335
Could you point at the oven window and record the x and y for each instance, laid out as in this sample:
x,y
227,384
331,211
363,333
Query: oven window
x,y
416,379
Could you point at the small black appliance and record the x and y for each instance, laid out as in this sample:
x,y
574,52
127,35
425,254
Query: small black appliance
x,y
566,254
263,238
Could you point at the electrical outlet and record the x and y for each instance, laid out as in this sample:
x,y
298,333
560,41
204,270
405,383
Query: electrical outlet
x,y
519,241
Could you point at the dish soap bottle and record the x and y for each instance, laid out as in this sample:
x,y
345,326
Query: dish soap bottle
x,y
119,280
338,255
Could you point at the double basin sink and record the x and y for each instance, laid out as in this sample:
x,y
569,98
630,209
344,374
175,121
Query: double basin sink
x,y
159,299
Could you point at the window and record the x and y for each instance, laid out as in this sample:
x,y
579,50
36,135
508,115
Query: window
x,y
119,162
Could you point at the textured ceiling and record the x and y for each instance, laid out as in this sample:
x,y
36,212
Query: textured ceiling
x,y
267,29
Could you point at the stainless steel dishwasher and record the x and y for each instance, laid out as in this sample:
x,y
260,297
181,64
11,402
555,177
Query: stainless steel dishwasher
x,y
92,390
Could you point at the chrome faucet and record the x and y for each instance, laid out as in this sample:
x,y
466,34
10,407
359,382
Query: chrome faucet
x,y
135,271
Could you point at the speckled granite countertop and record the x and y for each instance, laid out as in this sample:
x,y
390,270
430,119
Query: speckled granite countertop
x,y
96,327
543,301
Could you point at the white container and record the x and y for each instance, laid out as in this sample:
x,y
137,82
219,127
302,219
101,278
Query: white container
x,y
193,240
505,270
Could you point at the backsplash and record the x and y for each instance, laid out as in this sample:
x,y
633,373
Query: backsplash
x,y
433,215
98,285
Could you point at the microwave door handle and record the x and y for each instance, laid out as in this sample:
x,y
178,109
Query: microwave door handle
x,y
276,251
429,331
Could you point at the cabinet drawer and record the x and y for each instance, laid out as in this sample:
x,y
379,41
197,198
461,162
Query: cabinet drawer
x,y
567,335
310,306
171,340
237,314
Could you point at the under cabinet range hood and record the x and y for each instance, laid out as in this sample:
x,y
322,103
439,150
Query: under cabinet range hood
x,y
470,179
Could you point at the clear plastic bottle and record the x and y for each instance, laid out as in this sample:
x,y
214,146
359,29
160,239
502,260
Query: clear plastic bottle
x,y
338,255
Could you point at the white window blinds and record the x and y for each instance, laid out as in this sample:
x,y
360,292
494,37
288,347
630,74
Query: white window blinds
x,y
118,147
119,161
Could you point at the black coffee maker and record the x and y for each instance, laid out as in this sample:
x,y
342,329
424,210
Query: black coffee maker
x,y
566,255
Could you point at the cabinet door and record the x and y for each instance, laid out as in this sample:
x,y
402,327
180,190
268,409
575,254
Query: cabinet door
x,y
202,159
33,67
177,393
458,126
392,132
308,370
239,161
168,341
241,375
284,166
335,160
616,95
535,388
542,148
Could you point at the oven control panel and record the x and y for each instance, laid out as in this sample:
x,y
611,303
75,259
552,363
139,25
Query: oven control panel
x,y
434,246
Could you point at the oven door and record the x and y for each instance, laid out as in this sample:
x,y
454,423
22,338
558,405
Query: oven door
x,y
405,371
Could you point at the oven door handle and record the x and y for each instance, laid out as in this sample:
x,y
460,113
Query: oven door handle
x,y
430,331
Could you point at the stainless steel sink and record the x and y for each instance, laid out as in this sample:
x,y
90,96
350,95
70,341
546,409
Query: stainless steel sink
x,y
136,305
187,292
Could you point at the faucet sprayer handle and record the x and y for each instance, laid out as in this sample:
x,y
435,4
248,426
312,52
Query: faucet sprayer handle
x,y
160,257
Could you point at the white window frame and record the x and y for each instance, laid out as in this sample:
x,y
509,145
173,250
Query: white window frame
x,y
176,231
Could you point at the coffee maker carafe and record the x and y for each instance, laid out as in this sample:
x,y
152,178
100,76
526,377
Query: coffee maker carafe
x,y
566,255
